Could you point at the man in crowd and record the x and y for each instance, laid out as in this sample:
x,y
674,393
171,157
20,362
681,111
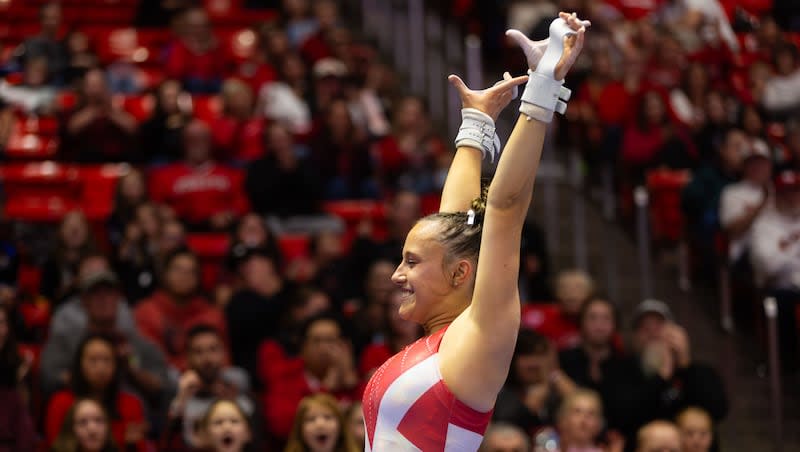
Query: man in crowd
x,y
659,436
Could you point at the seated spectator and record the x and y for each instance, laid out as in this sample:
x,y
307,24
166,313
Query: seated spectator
x,y
17,432
697,429
299,22
326,267
99,305
660,378
774,256
712,135
658,436
317,45
250,233
237,134
138,251
207,378
35,96
502,437
74,241
742,202
80,58
688,101
86,427
354,416
700,198
579,421
573,288
162,133
97,372
130,193
204,194
256,308
283,170
284,101
535,385
195,58
791,159
171,238
409,157
325,364
320,426
751,120
98,130
307,302
168,315
46,43
225,427
780,96
340,151
397,335
369,319
589,362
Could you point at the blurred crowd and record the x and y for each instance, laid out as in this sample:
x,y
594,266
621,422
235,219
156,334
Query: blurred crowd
x,y
256,139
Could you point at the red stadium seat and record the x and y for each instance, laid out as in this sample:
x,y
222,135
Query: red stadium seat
x,y
534,316
353,212
40,192
293,246
666,216
140,107
211,245
98,186
115,44
31,146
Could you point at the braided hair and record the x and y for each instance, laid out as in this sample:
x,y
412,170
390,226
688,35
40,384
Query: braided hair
x,y
461,231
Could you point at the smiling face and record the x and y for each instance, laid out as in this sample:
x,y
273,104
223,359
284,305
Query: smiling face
x,y
90,426
422,275
227,428
320,428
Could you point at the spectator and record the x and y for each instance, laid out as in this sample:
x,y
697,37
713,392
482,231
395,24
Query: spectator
x,y
307,302
168,315
252,233
80,58
408,158
17,431
256,308
195,58
34,96
501,437
285,101
742,202
697,429
535,384
534,265
369,317
780,95
711,137
172,238
325,364
85,428
320,426
774,256
283,170
398,334
207,378
688,101
98,130
579,421
98,311
318,45
573,288
162,132
658,436
299,22
225,427
7,122
751,121
74,241
158,13
46,43
204,194
97,373
660,378
354,415
791,159
130,193
9,264
138,250
326,268
238,134
589,362
340,151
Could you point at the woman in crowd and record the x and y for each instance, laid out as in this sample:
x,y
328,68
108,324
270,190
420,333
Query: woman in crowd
x,y
74,241
85,429
162,132
397,335
319,426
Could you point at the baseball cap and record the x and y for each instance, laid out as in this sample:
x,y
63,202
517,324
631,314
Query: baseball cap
x,y
787,180
329,67
102,278
758,148
651,306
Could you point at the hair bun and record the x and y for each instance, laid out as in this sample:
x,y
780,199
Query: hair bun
x,y
479,203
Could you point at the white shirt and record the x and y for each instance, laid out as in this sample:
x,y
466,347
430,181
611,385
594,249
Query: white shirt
x,y
782,92
775,250
734,202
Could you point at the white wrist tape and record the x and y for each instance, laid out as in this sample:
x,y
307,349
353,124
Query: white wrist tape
x,y
477,131
543,90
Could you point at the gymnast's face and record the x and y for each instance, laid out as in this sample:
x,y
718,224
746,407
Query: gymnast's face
x,y
421,275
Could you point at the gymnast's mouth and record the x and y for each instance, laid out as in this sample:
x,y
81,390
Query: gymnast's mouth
x,y
406,292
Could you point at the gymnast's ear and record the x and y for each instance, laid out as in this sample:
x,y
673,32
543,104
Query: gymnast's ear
x,y
461,272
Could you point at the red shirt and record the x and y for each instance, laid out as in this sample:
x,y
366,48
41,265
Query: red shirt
x,y
635,9
129,408
373,356
166,323
182,63
550,322
196,193
237,140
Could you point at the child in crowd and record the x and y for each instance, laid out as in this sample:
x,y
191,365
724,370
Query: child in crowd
x,y
225,428
319,426
697,431
85,429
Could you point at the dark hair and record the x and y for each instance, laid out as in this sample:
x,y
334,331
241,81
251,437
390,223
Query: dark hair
x,y
595,299
529,342
179,252
459,237
66,440
329,316
9,355
198,330
81,386
123,207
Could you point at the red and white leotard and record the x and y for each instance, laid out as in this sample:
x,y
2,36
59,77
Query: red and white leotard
x,y
408,407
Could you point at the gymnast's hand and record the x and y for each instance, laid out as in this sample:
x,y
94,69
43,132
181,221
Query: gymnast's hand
x,y
490,100
573,43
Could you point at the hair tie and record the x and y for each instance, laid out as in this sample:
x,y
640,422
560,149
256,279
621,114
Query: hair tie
x,y
471,217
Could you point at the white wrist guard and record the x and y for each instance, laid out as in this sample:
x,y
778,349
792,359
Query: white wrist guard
x,y
477,131
543,93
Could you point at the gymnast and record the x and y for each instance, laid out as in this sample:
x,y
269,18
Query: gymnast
x,y
438,393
